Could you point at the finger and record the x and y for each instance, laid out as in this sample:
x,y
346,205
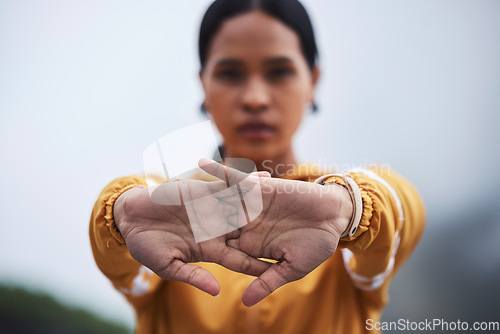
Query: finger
x,y
235,260
230,175
233,235
193,275
234,243
166,193
261,174
277,275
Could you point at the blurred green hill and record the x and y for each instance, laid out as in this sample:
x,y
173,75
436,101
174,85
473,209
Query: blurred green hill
x,y
23,311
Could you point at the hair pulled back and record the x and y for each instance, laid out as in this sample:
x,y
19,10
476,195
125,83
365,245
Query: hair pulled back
x,y
289,12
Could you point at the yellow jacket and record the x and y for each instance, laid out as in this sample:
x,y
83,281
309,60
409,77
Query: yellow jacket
x,y
339,296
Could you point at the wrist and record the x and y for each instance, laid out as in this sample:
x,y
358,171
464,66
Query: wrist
x,y
356,209
119,210
342,210
346,207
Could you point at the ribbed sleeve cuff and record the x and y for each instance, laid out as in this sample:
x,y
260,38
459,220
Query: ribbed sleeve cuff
x,y
108,217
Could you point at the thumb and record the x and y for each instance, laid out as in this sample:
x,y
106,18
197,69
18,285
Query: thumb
x,y
193,275
277,275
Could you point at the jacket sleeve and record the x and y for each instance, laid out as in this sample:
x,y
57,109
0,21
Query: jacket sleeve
x,y
128,276
391,225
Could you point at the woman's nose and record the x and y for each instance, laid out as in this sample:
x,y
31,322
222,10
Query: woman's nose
x,y
255,96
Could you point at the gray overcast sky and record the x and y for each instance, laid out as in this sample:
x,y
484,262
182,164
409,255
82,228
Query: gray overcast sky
x,y
86,86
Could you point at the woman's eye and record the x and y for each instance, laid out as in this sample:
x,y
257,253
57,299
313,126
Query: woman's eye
x,y
279,73
230,75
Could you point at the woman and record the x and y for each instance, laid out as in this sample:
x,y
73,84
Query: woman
x,y
259,73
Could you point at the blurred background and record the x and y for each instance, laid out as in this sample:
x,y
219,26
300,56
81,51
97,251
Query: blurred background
x,y
86,86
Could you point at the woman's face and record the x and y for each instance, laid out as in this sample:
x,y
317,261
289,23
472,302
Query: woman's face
x,y
257,85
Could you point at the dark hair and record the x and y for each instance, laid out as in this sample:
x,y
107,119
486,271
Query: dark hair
x,y
290,12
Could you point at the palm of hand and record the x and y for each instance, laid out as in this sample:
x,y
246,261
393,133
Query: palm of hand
x,y
300,227
160,237
295,230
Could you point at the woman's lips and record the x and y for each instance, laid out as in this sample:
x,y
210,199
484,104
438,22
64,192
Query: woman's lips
x,y
256,131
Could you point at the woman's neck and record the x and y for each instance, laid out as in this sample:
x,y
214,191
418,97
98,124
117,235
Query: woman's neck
x,y
279,165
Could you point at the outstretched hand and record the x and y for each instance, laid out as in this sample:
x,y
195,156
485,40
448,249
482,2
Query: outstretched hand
x,y
299,227
161,238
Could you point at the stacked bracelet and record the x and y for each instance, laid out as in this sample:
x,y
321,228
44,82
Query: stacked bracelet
x,y
357,202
